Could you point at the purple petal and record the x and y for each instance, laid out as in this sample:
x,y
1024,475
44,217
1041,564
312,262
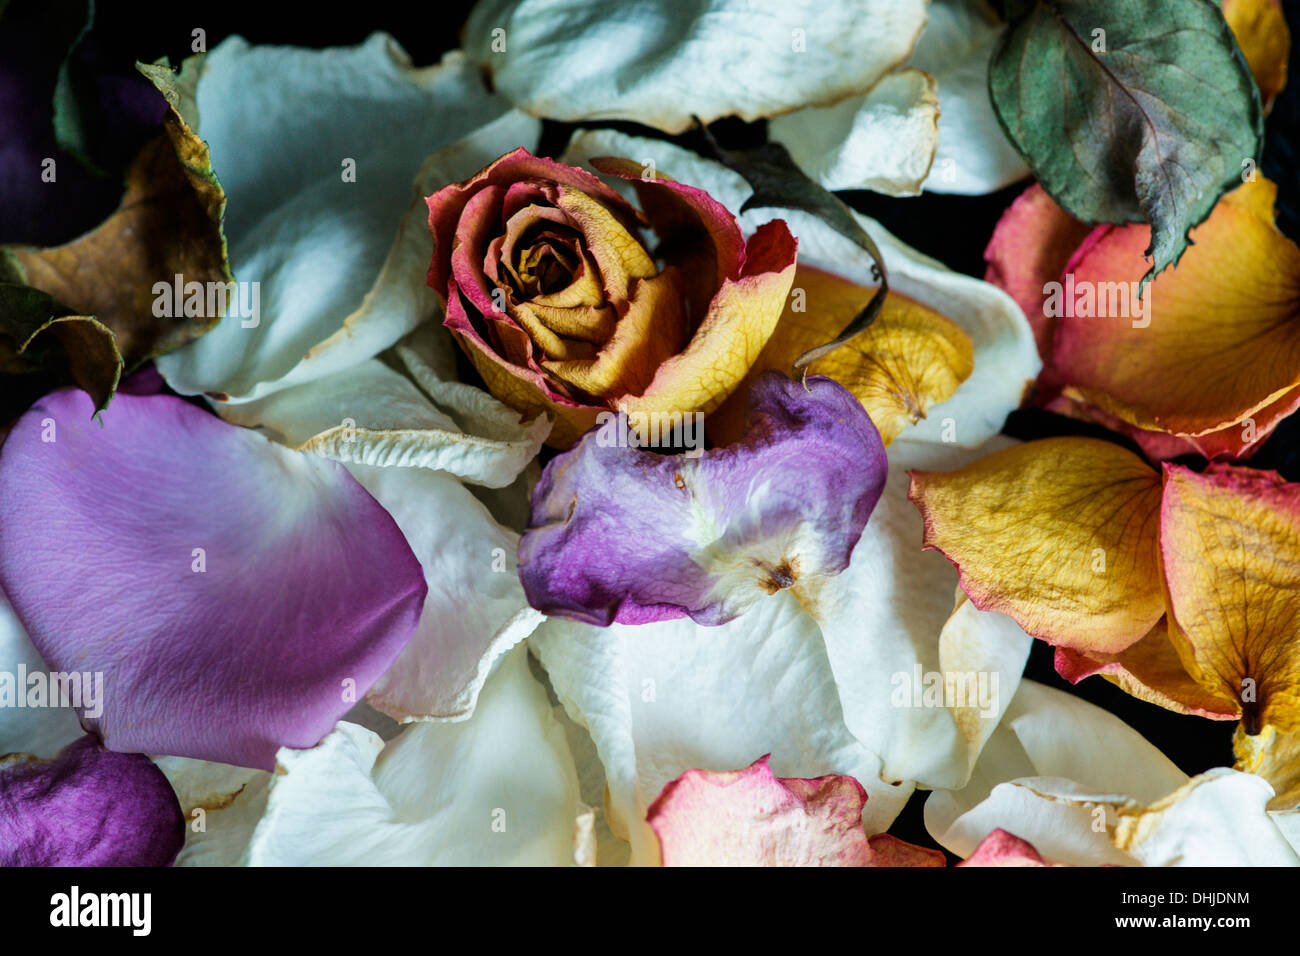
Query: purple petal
x,y
621,534
237,596
87,807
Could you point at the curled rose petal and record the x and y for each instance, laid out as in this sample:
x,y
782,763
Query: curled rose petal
x,y
622,534
234,596
560,307
1053,761
1149,670
1005,359
87,807
1215,340
751,817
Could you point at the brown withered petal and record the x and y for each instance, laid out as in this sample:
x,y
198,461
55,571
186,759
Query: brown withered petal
x,y
168,224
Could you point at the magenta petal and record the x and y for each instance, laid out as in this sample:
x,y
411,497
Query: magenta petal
x,y
237,596
87,807
619,534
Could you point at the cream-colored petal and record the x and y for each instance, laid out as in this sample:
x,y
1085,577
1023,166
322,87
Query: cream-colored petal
x,y
370,414
974,156
499,789
220,804
320,154
883,141
475,609
661,699
40,731
661,63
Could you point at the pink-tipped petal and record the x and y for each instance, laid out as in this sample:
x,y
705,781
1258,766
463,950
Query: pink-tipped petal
x,y
751,817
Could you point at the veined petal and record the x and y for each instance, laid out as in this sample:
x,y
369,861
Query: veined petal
x,y
499,789
1233,442
87,807
909,360
751,817
1265,40
1150,670
1058,533
662,64
231,593
1230,548
622,534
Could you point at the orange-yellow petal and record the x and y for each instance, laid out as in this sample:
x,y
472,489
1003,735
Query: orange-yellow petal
x,y
1230,546
1149,670
1223,339
652,329
739,321
910,359
1261,32
1060,534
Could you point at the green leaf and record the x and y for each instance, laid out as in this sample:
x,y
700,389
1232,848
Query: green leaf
x,y
1128,110
777,181
68,119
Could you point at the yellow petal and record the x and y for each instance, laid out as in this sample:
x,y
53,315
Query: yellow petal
x,y
527,398
740,320
1261,32
910,359
653,328
1275,756
618,253
1230,545
1149,670
1060,534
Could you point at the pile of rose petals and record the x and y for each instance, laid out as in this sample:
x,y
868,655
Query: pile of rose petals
x,y
377,489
